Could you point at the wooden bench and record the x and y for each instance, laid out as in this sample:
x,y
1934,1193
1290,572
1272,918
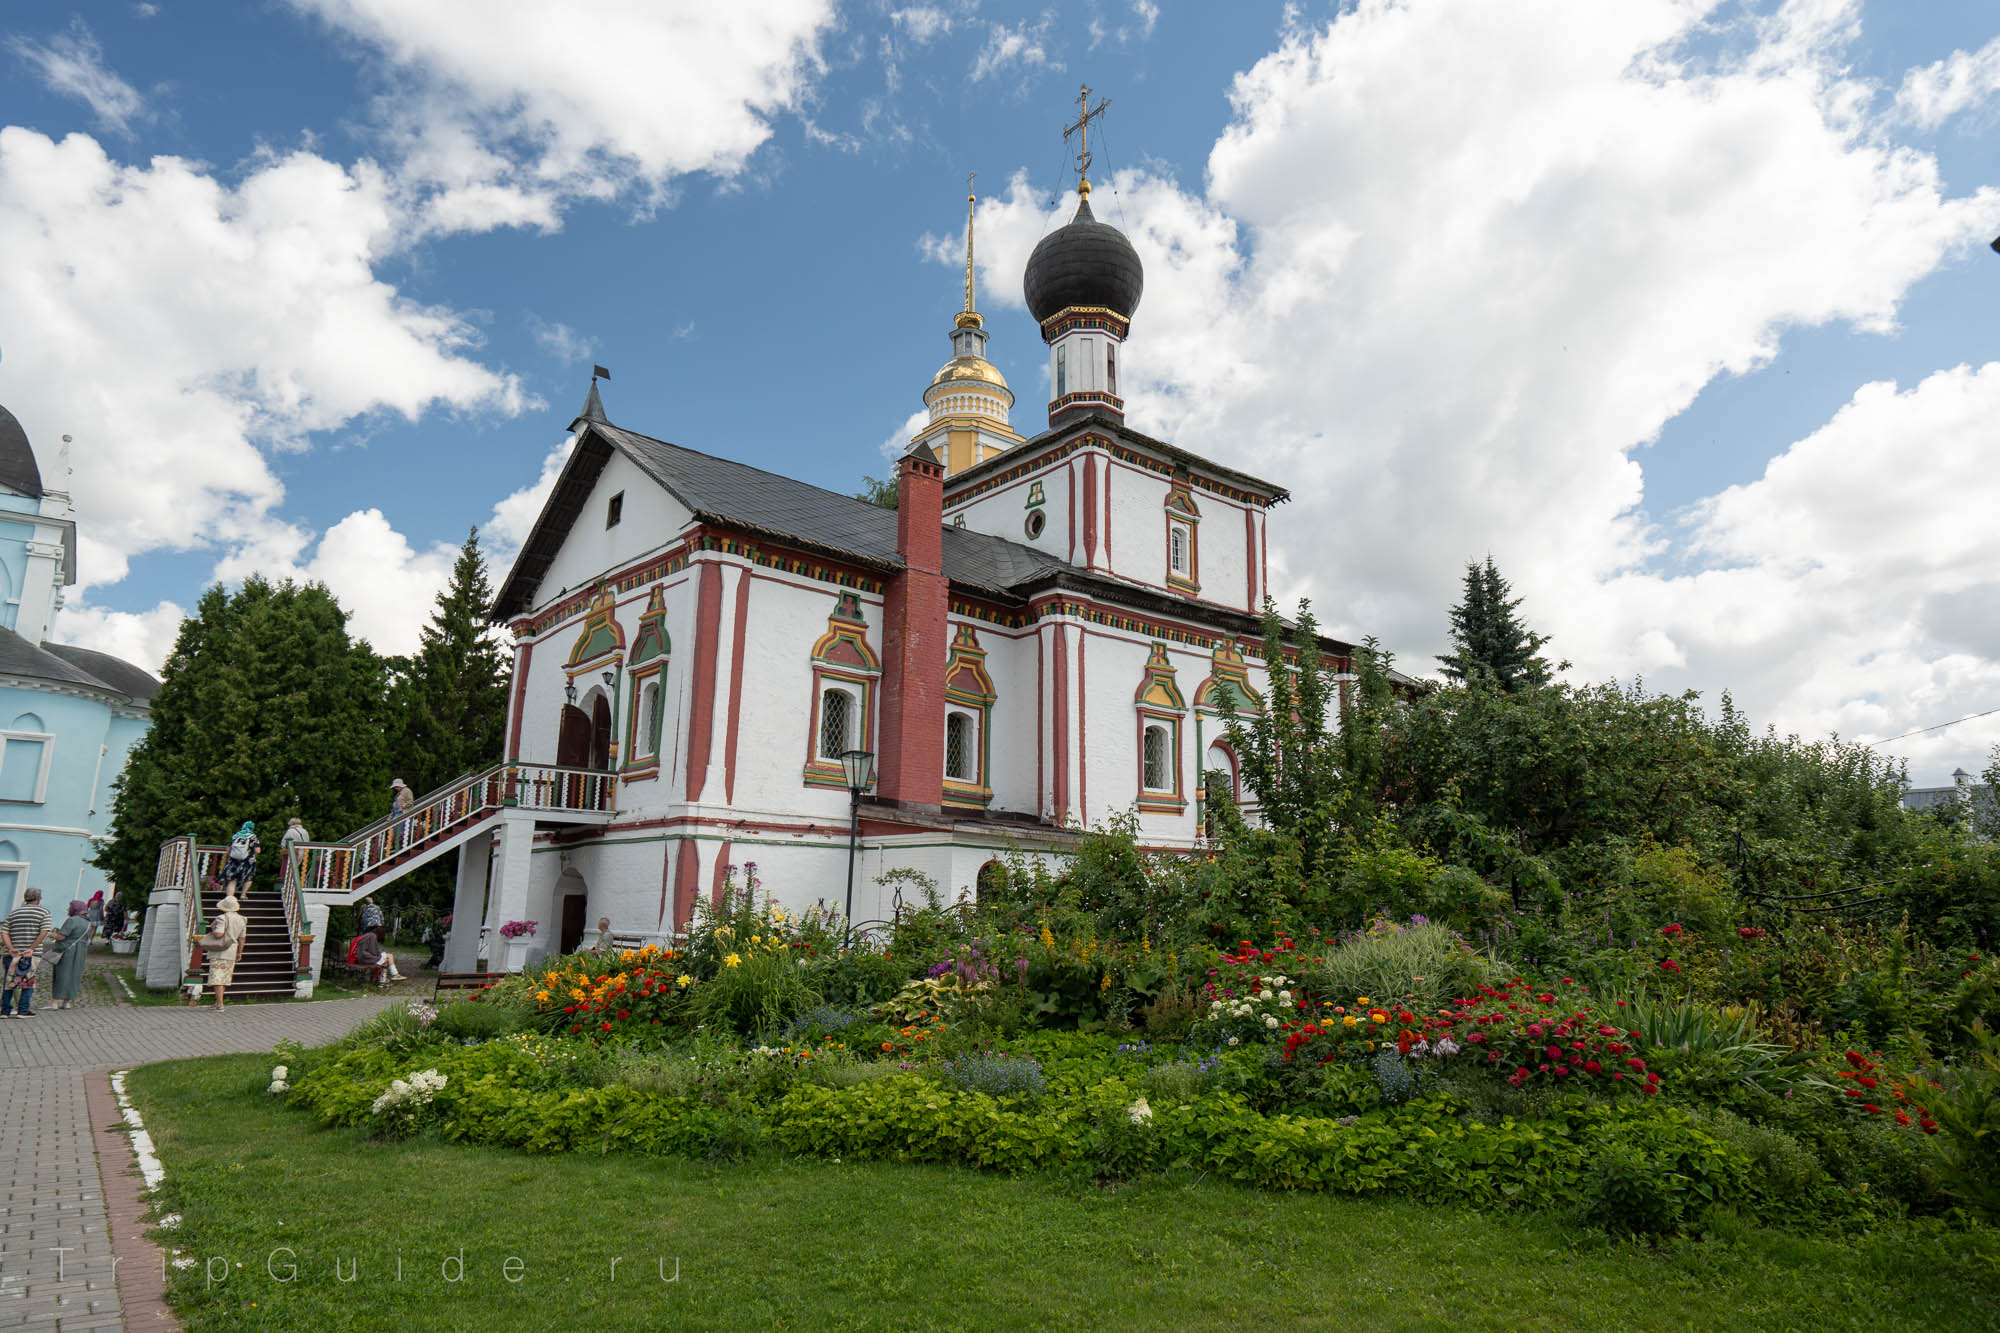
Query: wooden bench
x,y
466,981
622,940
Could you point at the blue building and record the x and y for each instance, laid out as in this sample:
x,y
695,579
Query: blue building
x,y
68,716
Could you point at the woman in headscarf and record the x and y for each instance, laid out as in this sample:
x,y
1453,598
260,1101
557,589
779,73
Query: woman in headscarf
x,y
94,909
223,945
241,862
67,948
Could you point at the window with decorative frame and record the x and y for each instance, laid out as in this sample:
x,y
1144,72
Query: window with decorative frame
x,y
1161,709
646,670
846,675
1183,519
969,697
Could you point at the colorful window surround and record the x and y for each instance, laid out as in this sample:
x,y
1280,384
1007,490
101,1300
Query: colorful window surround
x,y
1161,708
841,660
1227,689
968,693
646,669
600,644
1183,519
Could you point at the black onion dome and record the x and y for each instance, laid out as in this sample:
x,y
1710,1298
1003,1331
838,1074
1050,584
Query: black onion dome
x,y
1085,263
18,472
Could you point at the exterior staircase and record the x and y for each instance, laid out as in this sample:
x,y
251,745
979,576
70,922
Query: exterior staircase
x,y
266,967
344,872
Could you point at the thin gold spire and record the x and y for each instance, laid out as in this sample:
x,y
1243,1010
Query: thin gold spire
x,y
1085,114
971,200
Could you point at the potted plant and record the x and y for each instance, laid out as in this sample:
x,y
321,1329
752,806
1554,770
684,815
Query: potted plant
x,y
125,941
516,936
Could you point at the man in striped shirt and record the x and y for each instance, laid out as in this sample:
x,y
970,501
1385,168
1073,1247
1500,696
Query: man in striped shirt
x,y
27,927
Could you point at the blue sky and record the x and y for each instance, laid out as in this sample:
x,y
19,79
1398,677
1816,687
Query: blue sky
x,y
316,285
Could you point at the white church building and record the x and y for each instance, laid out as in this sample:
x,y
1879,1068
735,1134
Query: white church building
x,y
1042,634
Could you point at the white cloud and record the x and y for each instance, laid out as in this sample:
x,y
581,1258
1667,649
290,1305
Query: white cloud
x,y
922,23
72,64
511,110
1935,93
1446,279
897,444
1022,47
514,515
179,327
143,638
561,341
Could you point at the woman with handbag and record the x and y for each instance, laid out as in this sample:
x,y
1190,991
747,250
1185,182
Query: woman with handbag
x,y
222,946
67,947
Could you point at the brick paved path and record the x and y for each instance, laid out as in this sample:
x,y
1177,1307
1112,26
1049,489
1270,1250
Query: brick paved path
x,y
50,1188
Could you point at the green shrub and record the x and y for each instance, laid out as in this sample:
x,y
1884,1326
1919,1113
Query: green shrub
x,y
1390,961
759,993
1630,1195
1714,1048
471,1020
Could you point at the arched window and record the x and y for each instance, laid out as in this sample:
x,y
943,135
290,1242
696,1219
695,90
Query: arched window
x,y
646,740
836,723
1178,556
1159,764
1221,761
958,747
25,753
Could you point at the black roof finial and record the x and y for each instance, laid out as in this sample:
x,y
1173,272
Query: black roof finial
x,y
593,406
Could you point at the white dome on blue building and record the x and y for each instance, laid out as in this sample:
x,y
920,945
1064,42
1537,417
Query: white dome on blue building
x,y
68,715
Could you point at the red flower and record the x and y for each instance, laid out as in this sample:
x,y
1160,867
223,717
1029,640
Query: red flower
x,y
1592,1067
1871,1108
1636,1063
606,1027
1670,931
1749,932
1929,1126
1669,965
1858,1060
1555,1052
1650,1089
1902,1117
1865,1081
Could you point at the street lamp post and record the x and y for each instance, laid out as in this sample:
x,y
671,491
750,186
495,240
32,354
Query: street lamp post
x,y
859,766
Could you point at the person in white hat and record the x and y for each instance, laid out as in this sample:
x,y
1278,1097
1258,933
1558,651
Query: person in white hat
x,y
222,946
401,798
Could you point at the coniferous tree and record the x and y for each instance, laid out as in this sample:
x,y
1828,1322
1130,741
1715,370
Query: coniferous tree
x,y
1490,643
451,698
266,709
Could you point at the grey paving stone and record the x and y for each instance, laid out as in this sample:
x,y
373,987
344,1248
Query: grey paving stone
x,y
49,1180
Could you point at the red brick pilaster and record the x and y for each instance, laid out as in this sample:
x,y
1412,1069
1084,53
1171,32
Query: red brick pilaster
x,y
916,642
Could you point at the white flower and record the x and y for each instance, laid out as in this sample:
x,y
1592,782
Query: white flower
x,y
170,1221
1445,1046
1233,1041
1270,1020
279,1073
279,1086
1141,1113
1285,995
184,1262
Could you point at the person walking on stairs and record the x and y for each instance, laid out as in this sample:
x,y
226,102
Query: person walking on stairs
x,y
223,946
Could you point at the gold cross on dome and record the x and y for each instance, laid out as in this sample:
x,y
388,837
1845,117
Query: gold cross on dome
x,y
1085,114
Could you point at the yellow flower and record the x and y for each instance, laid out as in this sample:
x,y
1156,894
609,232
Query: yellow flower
x,y
1048,940
1362,999
1349,1021
756,939
684,981
1146,943
541,997
732,961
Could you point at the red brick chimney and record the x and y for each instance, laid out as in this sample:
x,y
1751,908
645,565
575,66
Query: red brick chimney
x,y
915,641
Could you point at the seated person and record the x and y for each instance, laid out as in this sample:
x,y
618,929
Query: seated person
x,y
368,953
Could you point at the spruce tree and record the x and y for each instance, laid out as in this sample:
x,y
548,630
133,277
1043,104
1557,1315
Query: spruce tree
x,y
451,698
1490,643
266,709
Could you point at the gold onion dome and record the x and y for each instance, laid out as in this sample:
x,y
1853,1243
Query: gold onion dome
x,y
976,369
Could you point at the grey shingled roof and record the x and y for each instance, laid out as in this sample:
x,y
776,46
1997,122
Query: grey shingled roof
x,y
70,665
754,501
116,672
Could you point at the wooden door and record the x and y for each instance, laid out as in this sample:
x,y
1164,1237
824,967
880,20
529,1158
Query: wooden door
x,y
573,907
573,740
600,733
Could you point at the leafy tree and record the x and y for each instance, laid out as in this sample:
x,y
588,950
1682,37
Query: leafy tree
x,y
1289,753
1490,643
451,698
266,709
878,491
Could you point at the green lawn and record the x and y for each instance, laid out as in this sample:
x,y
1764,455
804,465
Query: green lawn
x,y
788,1243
